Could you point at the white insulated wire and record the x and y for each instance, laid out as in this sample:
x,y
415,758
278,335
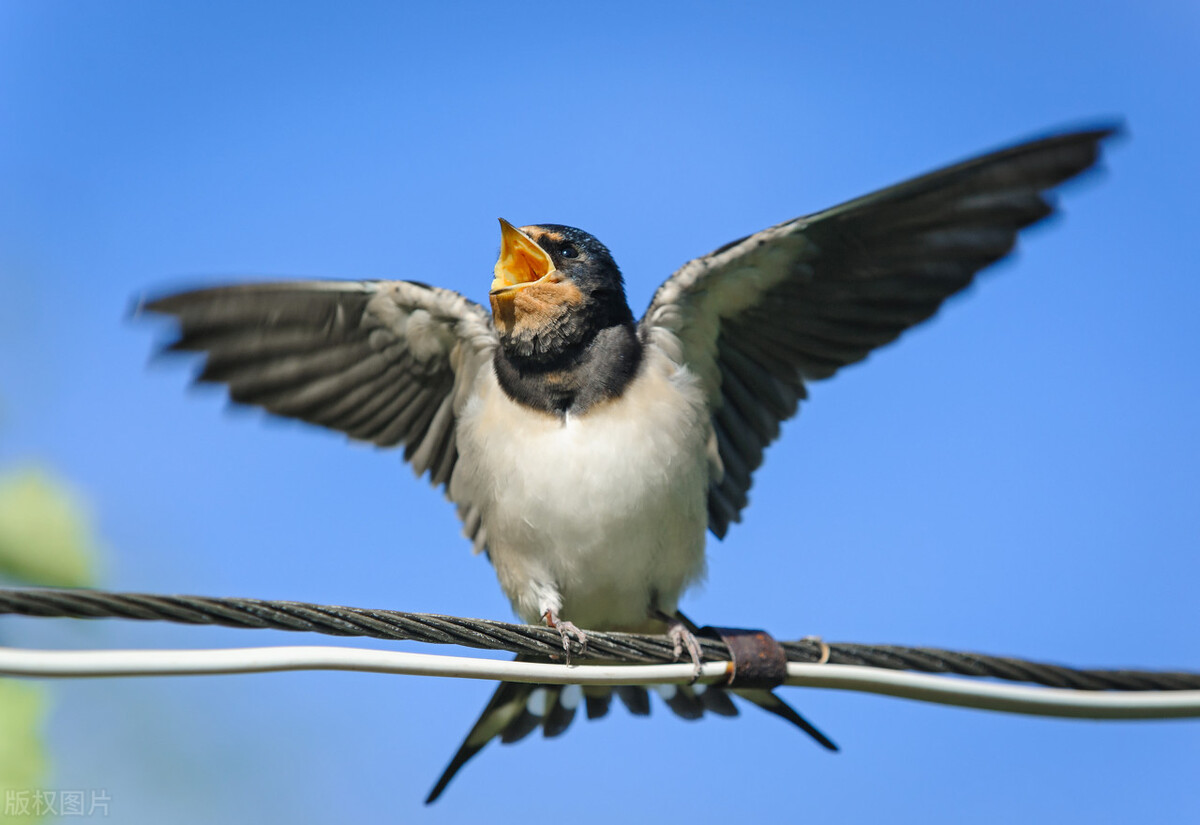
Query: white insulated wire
x,y
945,690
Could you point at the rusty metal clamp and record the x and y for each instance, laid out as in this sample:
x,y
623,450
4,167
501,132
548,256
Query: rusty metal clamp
x,y
758,661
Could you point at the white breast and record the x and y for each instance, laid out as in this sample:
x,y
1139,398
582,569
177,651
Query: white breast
x,y
594,515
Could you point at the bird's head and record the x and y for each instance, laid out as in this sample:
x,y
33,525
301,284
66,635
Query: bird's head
x,y
555,287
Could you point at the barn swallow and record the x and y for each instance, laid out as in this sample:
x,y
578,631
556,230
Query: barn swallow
x,y
587,451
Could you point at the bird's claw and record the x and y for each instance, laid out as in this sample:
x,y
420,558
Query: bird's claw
x,y
682,638
568,631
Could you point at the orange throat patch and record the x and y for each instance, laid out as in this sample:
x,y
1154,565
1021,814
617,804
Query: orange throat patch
x,y
529,310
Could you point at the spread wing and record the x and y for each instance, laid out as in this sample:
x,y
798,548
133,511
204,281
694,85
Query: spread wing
x,y
390,362
759,317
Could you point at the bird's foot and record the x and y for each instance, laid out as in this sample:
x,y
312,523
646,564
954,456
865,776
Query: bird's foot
x,y
568,631
682,638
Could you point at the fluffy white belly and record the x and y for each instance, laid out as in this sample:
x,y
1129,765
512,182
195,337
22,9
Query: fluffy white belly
x,y
593,516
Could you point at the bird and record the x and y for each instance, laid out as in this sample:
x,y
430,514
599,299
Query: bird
x,y
588,452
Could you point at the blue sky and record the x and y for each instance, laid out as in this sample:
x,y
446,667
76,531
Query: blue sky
x,y
1018,476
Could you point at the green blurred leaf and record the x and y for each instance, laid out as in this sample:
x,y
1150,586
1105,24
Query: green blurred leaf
x,y
46,537
23,761
45,531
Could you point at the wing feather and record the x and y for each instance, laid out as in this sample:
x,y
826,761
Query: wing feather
x,y
390,362
798,301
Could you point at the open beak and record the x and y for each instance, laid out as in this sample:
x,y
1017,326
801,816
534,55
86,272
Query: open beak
x,y
521,262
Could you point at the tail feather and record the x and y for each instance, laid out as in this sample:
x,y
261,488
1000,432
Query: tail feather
x,y
716,700
508,705
635,699
598,700
561,710
520,727
682,700
516,710
771,703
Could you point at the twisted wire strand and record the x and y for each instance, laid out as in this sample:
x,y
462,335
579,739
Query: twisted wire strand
x,y
546,642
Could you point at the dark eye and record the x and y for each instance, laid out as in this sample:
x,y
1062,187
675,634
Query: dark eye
x,y
568,251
